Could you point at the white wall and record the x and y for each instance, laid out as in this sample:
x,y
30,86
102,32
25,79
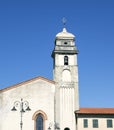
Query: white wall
x,y
39,94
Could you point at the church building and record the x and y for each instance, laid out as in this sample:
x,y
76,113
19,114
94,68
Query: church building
x,y
43,104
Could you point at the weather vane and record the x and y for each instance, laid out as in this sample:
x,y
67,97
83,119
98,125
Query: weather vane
x,y
64,21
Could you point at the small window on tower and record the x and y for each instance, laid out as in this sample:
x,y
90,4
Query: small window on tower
x,y
65,60
65,43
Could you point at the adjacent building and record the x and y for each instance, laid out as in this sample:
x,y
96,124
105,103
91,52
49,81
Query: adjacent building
x,y
95,118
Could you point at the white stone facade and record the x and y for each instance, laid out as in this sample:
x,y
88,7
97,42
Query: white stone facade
x,y
66,80
54,103
39,92
55,100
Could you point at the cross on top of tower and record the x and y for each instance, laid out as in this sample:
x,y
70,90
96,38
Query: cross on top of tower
x,y
64,21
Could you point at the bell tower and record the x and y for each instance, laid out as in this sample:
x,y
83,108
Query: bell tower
x,y
65,74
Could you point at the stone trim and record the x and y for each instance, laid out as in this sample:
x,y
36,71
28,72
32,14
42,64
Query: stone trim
x,y
44,118
26,82
39,112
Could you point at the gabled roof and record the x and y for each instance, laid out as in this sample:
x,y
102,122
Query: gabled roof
x,y
26,82
95,111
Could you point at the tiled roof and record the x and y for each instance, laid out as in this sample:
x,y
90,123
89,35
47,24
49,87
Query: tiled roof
x,y
95,111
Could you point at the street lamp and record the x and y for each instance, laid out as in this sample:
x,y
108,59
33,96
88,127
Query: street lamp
x,y
23,106
56,126
49,128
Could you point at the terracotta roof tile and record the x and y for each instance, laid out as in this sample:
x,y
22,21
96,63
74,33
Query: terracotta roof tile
x,y
95,111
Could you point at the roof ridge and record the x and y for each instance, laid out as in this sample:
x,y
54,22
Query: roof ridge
x,y
25,82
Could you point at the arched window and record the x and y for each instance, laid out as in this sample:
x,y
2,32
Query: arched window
x,y
39,122
39,118
65,60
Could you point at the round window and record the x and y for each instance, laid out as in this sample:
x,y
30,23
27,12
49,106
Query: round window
x,y
65,43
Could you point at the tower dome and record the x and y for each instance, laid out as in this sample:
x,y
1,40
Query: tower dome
x,y
65,35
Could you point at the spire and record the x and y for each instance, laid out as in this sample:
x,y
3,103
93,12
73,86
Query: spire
x,y
64,34
64,30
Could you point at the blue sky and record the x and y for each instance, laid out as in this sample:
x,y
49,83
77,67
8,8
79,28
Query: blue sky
x,y
27,33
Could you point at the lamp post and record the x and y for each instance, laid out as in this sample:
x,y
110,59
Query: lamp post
x,y
57,126
23,106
